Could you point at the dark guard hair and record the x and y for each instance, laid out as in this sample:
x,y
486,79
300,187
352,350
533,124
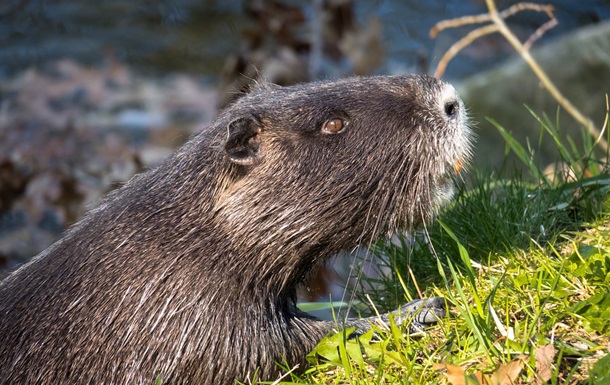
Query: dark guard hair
x,y
188,272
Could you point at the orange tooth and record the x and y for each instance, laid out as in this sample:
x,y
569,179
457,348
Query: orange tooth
x,y
458,166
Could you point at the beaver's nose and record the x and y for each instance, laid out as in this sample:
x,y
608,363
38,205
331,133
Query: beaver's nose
x,y
452,108
449,103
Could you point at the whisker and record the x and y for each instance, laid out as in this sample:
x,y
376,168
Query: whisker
x,y
388,204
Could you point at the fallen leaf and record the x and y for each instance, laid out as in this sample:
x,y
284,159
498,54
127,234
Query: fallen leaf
x,y
506,374
544,360
456,375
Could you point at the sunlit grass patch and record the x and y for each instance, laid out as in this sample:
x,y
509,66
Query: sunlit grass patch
x,y
524,263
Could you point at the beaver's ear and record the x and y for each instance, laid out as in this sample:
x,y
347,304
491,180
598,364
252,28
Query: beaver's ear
x,y
243,145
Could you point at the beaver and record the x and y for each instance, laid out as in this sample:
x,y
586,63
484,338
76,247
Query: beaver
x,y
187,274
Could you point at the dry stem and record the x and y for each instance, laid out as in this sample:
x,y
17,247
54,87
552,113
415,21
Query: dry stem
x,y
497,24
460,44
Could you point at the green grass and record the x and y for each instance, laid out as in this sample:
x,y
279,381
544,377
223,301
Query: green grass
x,y
525,263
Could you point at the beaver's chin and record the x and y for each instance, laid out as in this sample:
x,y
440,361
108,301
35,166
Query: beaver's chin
x,y
443,188
425,211
443,192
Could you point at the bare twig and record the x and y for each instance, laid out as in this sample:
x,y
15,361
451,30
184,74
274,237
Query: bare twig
x,y
498,25
478,19
548,9
544,79
458,22
460,44
539,32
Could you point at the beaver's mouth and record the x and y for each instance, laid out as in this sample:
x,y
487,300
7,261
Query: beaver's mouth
x,y
456,168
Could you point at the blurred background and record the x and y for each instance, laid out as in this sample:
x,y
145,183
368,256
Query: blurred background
x,y
92,92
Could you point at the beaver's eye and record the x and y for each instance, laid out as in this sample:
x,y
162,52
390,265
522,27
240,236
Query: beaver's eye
x,y
334,126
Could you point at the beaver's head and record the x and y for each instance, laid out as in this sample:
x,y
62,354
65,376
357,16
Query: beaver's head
x,y
326,166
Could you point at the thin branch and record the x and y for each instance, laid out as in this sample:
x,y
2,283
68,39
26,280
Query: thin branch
x,y
548,9
539,32
458,22
548,84
478,19
498,25
460,44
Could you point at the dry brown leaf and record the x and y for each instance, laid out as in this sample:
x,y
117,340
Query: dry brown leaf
x,y
545,356
456,375
506,374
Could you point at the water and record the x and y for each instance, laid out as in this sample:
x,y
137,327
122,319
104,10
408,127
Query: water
x,y
166,35
197,36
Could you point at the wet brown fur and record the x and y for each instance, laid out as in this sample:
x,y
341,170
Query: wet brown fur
x,y
188,273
